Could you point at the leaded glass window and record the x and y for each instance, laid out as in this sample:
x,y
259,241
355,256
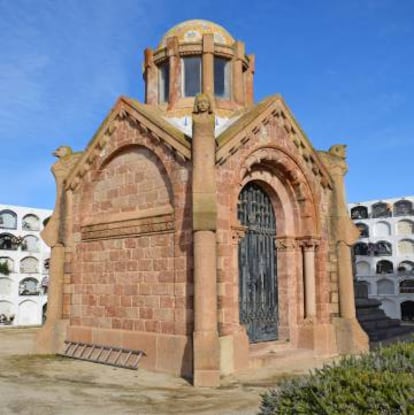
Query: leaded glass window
x,y
191,76
221,77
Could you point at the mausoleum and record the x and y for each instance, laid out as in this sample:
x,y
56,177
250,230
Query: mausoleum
x,y
200,223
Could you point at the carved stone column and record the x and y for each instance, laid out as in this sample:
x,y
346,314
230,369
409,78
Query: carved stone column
x,y
208,64
175,71
50,338
238,89
206,348
308,249
151,81
249,92
238,233
350,337
288,255
344,232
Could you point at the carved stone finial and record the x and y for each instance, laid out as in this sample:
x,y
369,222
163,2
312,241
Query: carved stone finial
x,y
52,233
62,152
338,150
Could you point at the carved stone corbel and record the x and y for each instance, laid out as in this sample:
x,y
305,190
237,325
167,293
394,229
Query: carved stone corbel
x,y
286,243
238,232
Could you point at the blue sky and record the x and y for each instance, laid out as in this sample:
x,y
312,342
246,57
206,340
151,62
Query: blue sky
x,y
345,68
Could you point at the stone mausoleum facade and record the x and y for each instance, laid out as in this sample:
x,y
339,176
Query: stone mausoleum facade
x,y
199,223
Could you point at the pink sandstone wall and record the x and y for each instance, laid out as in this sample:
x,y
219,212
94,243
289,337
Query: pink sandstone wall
x,y
290,222
130,282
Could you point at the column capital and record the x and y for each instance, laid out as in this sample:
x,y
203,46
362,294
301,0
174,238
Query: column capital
x,y
309,243
286,243
172,46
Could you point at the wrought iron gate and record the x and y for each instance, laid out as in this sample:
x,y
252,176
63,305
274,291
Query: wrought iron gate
x,y
257,265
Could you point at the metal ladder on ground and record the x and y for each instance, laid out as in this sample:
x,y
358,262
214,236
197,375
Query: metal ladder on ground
x,y
107,355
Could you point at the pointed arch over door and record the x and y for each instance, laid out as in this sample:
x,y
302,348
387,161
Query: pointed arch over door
x,y
258,299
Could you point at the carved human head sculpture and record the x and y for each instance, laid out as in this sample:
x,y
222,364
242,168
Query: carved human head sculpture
x,y
202,104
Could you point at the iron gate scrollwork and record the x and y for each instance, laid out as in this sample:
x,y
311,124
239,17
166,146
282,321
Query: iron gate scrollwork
x,y
257,265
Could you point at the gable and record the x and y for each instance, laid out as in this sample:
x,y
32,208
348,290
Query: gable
x,y
251,124
146,119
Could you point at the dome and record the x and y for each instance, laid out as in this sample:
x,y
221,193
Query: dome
x,y
192,31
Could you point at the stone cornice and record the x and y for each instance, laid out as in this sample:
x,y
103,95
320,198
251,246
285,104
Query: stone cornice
x,y
196,48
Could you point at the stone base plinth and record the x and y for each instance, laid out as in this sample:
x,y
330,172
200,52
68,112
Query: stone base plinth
x,y
318,337
51,337
234,352
206,378
350,337
206,359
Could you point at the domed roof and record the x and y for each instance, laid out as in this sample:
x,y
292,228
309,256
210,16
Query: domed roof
x,y
193,30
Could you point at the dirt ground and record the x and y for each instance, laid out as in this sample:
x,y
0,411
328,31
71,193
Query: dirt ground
x,y
52,385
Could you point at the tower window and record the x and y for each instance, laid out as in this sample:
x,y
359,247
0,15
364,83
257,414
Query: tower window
x,y
221,77
164,82
191,76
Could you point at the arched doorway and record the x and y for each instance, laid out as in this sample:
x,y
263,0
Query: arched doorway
x,y
258,299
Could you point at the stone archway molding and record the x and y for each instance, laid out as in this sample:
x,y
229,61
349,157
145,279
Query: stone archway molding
x,y
274,160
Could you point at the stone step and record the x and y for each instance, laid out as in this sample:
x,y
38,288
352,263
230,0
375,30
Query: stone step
x,y
404,335
368,311
268,347
389,333
278,356
371,315
367,303
380,324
